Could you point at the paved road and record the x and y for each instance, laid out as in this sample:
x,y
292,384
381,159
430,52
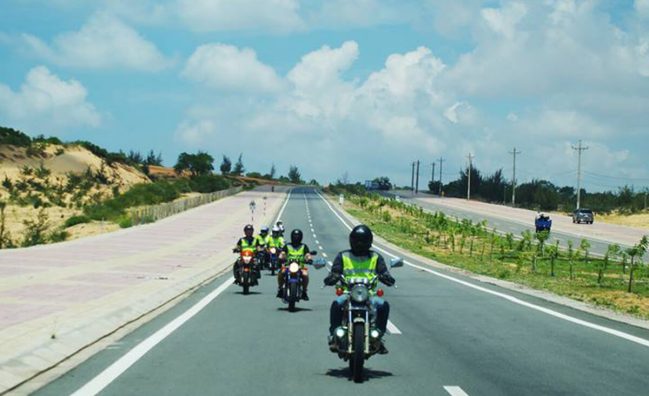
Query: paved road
x,y
451,335
515,221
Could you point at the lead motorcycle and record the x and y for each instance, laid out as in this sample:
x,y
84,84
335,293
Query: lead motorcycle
x,y
248,272
358,338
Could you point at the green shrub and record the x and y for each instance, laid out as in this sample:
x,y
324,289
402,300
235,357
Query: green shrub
x,y
74,220
59,236
125,222
208,183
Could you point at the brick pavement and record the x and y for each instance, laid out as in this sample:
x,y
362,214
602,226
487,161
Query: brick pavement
x,y
57,299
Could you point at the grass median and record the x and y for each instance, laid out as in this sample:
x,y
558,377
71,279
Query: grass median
x,y
534,260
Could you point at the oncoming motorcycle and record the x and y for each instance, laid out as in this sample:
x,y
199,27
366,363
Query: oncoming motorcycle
x,y
358,338
273,259
292,286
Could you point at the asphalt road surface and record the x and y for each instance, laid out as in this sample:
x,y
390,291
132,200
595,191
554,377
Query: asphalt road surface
x,y
508,220
449,335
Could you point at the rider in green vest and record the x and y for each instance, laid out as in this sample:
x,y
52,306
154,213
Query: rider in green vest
x,y
359,262
248,242
275,239
295,251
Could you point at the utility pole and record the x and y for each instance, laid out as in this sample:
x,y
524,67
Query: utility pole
x,y
579,149
432,173
441,161
412,179
514,177
468,186
417,179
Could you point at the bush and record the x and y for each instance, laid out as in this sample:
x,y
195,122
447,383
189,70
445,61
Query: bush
x,y
59,236
74,220
208,183
125,222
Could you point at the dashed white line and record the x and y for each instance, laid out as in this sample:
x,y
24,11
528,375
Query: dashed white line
x,y
455,391
316,241
314,235
613,332
320,247
392,328
324,255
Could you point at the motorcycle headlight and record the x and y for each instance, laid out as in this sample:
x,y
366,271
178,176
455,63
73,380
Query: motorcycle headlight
x,y
272,250
374,333
359,294
340,332
293,268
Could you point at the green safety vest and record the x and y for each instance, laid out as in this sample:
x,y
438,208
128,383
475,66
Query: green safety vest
x,y
248,246
260,240
295,254
275,242
354,267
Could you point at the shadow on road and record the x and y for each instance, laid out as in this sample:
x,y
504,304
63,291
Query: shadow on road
x,y
297,309
368,374
250,293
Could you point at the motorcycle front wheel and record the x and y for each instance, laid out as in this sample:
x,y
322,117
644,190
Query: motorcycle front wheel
x,y
292,296
358,357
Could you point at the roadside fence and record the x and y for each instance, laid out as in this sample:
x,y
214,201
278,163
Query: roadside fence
x,y
149,214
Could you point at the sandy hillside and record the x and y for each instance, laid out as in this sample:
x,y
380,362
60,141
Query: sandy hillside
x,y
57,181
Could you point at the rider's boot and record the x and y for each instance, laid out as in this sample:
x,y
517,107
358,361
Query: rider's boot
x,y
279,292
305,296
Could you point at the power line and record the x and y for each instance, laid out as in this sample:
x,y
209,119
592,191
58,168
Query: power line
x,y
616,177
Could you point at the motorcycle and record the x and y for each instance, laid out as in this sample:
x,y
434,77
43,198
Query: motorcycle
x,y
358,338
273,260
543,223
262,257
248,274
292,287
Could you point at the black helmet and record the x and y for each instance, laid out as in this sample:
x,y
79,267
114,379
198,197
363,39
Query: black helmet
x,y
296,237
248,230
360,240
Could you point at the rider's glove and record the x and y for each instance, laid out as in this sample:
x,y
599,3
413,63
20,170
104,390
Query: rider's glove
x,y
331,280
387,279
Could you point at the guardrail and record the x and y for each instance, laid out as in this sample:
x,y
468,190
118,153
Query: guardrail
x,y
149,214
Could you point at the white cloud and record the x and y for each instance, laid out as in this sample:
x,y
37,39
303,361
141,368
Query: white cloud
x,y
45,102
504,21
196,133
103,42
220,15
229,68
642,7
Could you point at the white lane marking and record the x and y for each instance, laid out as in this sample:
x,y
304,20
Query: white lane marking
x,y
324,255
113,371
281,211
512,299
392,328
316,241
455,391
315,236
312,230
320,248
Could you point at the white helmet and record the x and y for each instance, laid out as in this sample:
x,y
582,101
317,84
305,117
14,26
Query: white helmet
x,y
276,229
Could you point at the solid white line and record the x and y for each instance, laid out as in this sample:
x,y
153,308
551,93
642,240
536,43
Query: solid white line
x,y
107,376
512,299
392,328
281,211
455,391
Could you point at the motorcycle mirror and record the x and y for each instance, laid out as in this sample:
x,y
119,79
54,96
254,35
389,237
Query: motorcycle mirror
x,y
319,263
313,252
396,262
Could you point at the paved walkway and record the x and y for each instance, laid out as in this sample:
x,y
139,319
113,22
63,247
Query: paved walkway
x,y
57,299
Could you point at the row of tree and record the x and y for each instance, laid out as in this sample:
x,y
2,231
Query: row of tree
x,y
202,163
539,194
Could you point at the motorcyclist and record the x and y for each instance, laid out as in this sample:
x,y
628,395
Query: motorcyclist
x,y
261,241
299,252
359,261
280,225
275,239
247,242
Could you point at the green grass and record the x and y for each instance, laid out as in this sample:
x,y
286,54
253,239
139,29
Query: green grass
x,y
439,238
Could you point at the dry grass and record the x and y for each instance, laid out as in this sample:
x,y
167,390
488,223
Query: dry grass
x,y
640,220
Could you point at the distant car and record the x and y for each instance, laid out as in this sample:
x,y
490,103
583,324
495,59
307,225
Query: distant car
x,y
583,216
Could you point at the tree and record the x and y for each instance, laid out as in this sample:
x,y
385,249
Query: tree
x,y
383,183
200,163
272,171
611,253
636,251
226,165
294,175
238,167
152,159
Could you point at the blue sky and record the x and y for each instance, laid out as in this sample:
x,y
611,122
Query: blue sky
x,y
336,87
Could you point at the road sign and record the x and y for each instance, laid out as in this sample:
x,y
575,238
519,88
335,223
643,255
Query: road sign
x,y
341,199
